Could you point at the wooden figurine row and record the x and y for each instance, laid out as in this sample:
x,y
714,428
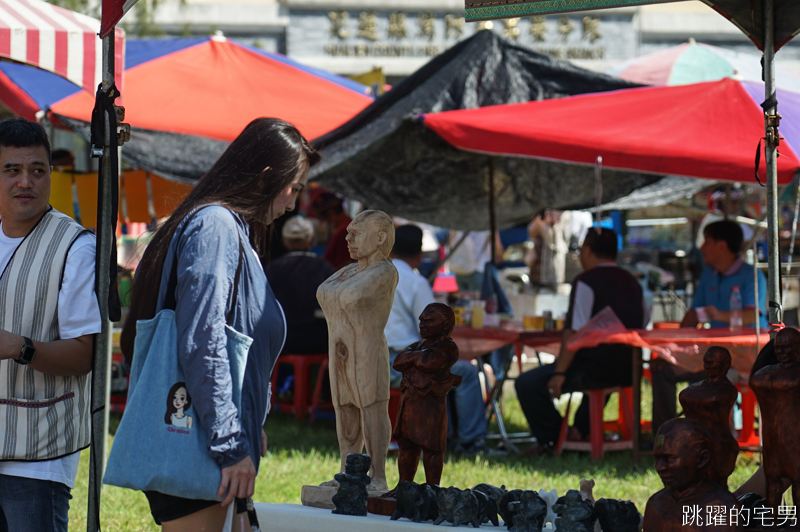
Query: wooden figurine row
x,y
521,510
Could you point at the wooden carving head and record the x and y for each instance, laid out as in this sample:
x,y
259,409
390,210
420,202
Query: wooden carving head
x,y
717,362
787,345
682,452
370,232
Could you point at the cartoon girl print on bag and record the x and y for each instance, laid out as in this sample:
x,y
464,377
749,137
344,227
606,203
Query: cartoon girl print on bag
x,y
178,402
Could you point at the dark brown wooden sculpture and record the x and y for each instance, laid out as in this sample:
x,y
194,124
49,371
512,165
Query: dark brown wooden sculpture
x,y
777,388
421,426
682,452
710,402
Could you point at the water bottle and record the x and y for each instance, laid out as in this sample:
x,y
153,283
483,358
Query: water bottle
x,y
736,309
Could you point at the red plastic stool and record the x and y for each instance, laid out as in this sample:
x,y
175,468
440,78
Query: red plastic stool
x,y
394,406
322,374
597,444
748,436
302,382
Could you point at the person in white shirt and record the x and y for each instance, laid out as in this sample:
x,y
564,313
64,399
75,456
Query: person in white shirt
x,y
47,299
412,295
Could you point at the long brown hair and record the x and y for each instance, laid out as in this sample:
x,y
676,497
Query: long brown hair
x,y
260,163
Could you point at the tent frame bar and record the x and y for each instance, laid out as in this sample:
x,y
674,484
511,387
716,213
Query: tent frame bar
x,y
101,356
772,139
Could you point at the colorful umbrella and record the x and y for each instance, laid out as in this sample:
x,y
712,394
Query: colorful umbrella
x,y
694,63
706,130
214,88
56,40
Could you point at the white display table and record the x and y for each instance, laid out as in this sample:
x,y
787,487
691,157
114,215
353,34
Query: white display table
x,y
298,518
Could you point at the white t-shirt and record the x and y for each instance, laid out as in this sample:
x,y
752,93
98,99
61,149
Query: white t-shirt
x,y
78,315
473,253
412,295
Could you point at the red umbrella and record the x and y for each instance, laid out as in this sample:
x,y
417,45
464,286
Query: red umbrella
x,y
707,130
216,87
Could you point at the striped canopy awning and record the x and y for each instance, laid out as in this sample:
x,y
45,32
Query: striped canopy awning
x,y
57,40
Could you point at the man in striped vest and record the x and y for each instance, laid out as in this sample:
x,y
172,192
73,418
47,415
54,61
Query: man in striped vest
x,y
48,316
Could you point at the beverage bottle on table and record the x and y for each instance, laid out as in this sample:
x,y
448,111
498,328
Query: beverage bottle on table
x,y
736,309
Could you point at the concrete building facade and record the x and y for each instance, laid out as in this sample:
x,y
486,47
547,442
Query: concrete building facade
x,y
399,36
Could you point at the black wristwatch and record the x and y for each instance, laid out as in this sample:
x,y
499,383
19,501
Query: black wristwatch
x,y
26,353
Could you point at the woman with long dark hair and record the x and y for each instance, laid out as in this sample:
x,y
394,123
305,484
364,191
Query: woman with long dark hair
x,y
255,181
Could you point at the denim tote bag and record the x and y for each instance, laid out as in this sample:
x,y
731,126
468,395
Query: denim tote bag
x,y
160,444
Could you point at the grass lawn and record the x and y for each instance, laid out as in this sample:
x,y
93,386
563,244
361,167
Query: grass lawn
x,y
302,455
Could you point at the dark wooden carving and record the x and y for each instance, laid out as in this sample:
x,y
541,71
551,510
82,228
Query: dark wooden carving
x,y
351,497
421,427
777,388
682,452
710,402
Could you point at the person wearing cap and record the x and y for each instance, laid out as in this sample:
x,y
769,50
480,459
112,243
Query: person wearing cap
x,y
294,279
412,294
330,208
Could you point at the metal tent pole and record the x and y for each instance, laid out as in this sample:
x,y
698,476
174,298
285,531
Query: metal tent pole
x,y
774,311
492,213
109,171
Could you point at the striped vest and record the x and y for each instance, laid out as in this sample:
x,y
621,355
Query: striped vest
x,y
41,416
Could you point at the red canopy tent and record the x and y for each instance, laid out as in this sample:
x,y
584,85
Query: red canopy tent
x,y
707,130
215,88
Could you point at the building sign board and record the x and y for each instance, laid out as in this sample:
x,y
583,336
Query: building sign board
x,y
374,34
497,9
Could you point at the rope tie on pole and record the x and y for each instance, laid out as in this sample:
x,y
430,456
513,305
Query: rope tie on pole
x,y
772,135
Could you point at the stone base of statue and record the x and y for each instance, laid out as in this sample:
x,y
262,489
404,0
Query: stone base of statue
x,y
382,505
320,496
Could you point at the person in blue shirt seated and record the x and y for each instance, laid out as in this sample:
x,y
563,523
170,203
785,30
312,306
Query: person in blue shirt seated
x,y
724,269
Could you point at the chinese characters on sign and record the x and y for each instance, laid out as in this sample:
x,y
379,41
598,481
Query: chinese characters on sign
x,y
397,25
453,26
721,516
426,34
367,27
338,19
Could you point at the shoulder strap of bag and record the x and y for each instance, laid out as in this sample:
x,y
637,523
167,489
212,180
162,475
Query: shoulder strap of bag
x,y
172,284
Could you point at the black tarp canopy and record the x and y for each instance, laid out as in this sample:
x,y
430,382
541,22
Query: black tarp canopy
x,y
387,160
174,156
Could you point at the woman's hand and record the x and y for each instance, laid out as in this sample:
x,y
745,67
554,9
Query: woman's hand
x,y
239,479
263,443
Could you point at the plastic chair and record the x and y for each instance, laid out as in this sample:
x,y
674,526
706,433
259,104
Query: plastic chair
x,y
597,444
316,406
302,365
748,436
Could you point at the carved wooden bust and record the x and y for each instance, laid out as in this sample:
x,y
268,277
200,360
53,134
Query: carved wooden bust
x,y
710,402
422,417
777,388
682,452
356,301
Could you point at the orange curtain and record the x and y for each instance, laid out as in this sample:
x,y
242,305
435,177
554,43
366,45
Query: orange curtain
x,y
133,196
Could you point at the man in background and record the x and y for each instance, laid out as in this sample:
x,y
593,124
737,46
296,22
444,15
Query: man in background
x,y
602,284
412,295
294,279
724,269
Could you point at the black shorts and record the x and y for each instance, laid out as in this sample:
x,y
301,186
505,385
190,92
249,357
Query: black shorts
x,y
165,507
168,507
